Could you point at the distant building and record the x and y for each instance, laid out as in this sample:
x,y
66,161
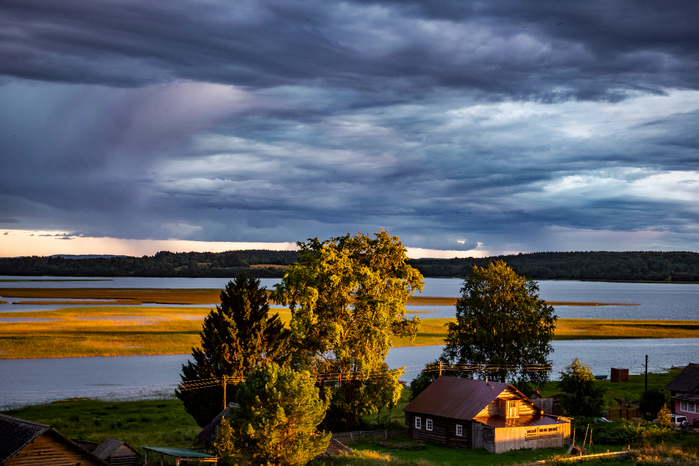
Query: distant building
x,y
467,413
26,443
684,392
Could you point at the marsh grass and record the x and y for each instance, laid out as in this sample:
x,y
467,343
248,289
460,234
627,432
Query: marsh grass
x,y
102,331
124,331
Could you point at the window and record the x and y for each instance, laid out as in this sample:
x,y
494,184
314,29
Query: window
x,y
418,422
688,407
428,424
459,430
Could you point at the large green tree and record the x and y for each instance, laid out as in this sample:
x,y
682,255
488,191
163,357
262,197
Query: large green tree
x,y
582,395
277,421
347,298
503,330
238,336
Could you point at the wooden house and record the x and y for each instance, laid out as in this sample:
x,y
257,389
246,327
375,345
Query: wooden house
x,y
467,413
117,453
684,392
25,443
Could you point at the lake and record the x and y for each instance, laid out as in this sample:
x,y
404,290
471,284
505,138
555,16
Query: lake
x,y
129,377
28,381
669,301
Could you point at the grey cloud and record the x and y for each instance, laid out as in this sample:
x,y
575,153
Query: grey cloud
x,y
278,121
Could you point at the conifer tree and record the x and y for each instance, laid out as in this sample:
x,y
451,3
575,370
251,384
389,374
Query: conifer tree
x,y
276,424
238,336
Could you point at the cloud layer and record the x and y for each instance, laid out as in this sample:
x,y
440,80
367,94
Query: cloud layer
x,y
502,125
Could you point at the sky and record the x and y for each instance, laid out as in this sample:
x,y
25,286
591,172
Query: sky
x,y
464,128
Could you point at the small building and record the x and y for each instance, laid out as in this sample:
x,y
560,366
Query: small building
x,y
468,413
620,375
684,392
117,453
26,443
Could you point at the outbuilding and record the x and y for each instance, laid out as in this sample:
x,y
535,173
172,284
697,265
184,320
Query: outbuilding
x,y
26,443
468,413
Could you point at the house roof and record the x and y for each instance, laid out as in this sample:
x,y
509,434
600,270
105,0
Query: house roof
x,y
456,398
686,381
207,434
17,434
108,447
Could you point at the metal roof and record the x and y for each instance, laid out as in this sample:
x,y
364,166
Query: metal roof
x,y
456,398
686,381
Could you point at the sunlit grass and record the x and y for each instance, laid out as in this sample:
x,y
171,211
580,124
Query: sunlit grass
x,y
102,331
124,330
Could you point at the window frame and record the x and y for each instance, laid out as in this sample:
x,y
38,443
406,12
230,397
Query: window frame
x,y
418,422
429,425
459,430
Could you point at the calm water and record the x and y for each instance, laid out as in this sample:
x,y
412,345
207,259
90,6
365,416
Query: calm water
x,y
655,300
35,380
27,381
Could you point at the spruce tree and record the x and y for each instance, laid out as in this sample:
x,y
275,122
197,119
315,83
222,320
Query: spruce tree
x,y
238,336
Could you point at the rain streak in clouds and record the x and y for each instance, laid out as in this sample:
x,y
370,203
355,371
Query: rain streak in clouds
x,y
497,126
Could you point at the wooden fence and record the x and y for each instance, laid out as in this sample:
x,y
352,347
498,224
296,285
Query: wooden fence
x,y
622,413
357,434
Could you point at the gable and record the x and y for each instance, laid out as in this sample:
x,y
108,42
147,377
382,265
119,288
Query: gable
x,y
52,449
525,406
16,434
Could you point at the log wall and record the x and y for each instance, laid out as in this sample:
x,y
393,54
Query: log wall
x,y
50,449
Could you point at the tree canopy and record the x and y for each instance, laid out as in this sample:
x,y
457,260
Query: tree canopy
x,y
582,396
276,423
503,329
347,298
238,336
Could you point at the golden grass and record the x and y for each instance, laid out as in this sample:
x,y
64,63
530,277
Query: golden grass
x,y
136,295
83,302
102,331
120,331
204,296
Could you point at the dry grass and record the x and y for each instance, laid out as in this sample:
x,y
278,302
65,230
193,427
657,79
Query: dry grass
x,y
123,330
135,295
102,331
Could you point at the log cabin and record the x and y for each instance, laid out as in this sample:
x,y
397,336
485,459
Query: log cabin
x,y
25,443
468,413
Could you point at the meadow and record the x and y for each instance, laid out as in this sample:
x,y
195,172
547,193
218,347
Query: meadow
x,y
144,330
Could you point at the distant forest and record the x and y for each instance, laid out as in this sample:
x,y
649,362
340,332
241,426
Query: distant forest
x,y
621,266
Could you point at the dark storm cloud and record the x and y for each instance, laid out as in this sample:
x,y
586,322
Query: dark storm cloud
x,y
594,50
452,124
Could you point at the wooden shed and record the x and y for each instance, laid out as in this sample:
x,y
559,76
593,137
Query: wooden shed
x,y
26,443
468,413
117,453
620,375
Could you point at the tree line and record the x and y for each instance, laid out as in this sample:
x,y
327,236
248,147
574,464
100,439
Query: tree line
x,y
622,266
